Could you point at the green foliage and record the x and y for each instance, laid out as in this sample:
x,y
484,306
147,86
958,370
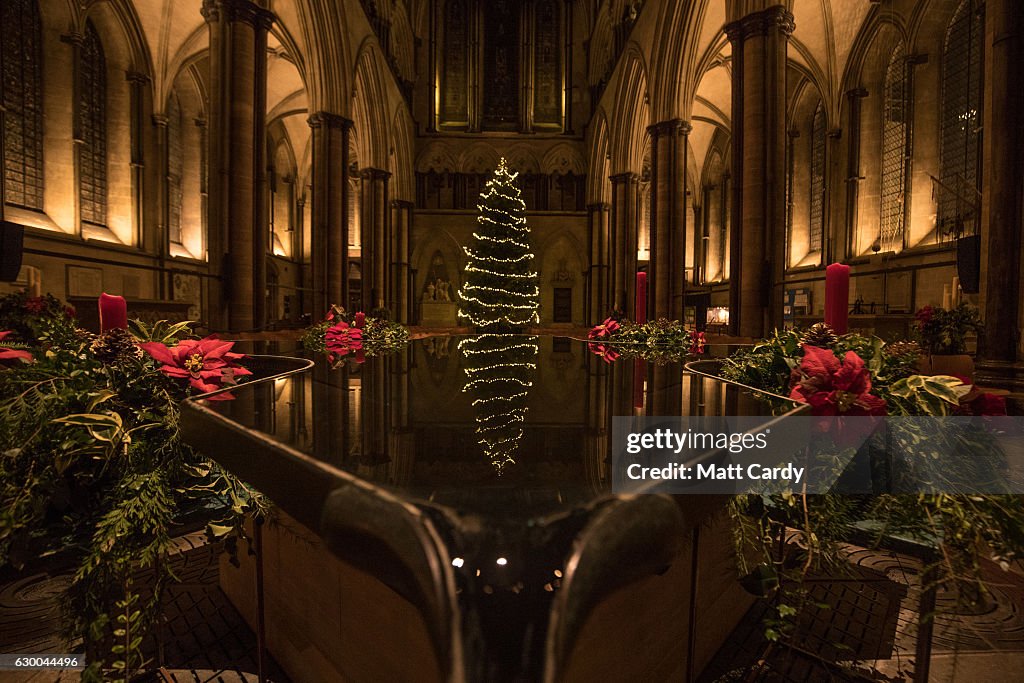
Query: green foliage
x,y
92,468
962,528
658,341
380,335
944,331
769,364
35,318
161,331
936,395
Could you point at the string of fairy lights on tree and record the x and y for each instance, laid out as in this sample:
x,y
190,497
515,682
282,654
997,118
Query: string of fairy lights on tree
x,y
499,373
500,292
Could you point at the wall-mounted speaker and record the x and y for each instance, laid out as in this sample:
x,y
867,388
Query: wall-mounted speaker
x,y
968,263
12,242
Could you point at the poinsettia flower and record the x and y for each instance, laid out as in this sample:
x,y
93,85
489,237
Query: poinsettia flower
x,y
697,342
924,315
607,353
342,339
605,329
208,364
13,354
832,387
36,304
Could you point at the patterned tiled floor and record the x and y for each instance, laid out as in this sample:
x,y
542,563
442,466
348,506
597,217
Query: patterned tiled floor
x,y
858,627
201,639
864,628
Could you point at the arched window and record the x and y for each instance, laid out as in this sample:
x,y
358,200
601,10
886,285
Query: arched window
x,y
817,197
960,134
92,120
895,137
547,64
175,168
455,97
21,59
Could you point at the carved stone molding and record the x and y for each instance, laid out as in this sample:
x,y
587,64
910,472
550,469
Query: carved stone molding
x,y
670,127
327,120
237,10
761,24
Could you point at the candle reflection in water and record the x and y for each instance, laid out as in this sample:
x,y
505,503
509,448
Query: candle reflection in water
x,y
500,369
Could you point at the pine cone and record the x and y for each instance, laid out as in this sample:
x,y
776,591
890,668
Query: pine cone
x,y
116,346
903,348
820,335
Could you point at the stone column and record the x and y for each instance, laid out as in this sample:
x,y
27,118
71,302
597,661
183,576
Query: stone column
x,y
598,304
401,284
329,215
163,203
625,220
667,285
376,215
236,225
1002,215
758,249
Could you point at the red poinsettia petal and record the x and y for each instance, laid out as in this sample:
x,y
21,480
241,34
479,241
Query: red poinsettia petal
x,y
202,386
159,352
174,371
4,334
15,354
818,362
853,376
211,347
869,404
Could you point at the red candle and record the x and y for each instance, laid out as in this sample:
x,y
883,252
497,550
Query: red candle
x,y
113,312
641,297
837,297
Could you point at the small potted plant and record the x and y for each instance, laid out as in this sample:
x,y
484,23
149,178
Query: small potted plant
x,y
943,336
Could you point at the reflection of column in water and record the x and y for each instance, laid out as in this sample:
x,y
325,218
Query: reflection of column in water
x,y
373,408
499,373
665,389
400,442
598,433
330,413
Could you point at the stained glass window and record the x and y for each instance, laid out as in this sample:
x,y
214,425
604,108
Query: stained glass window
x,y
547,64
22,73
960,133
175,168
455,100
895,133
817,198
92,119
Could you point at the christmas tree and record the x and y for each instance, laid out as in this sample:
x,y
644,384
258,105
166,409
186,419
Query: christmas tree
x,y
500,292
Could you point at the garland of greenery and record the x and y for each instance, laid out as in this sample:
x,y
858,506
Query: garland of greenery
x,y
963,528
658,341
341,333
93,467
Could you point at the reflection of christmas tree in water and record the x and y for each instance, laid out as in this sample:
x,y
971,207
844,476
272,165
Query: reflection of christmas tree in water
x,y
499,373
500,291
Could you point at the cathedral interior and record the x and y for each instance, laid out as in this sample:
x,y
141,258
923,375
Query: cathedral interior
x,y
245,165
248,164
